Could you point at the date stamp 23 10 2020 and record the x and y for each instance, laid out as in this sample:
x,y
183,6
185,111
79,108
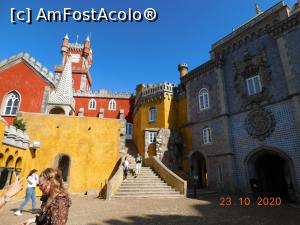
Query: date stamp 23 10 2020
x,y
227,201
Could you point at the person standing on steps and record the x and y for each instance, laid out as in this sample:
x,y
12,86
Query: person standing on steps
x,y
138,161
125,168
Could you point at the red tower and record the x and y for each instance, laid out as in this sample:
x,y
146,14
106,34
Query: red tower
x,y
81,63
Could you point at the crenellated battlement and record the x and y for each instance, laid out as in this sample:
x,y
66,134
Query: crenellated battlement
x,y
75,46
15,137
154,89
152,92
103,93
44,72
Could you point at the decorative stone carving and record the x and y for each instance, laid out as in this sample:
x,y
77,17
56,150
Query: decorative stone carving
x,y
15,137
260,124
248,67
169,147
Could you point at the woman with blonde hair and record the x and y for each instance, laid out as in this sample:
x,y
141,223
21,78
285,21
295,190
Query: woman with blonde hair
x,y
55,200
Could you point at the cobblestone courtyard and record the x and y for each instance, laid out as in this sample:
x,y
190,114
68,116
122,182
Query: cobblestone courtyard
x,y
93,211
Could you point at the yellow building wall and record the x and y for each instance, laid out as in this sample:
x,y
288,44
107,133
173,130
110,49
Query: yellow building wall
x,y
141,122
171,114
92,144
12,157
186,132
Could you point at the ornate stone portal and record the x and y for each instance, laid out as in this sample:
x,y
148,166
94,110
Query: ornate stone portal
x,y
252,65
169,147
260,124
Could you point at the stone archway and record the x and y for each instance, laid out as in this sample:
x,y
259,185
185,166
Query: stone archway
x,y
198,169
63,163
6,173
18,166
57,110
271,174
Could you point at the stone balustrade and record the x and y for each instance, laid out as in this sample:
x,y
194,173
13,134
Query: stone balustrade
x,y
15,137
152,89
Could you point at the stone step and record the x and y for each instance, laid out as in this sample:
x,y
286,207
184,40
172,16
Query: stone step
x,y
133,193
132,184
137,192
143,182
175,195
157,189
144,178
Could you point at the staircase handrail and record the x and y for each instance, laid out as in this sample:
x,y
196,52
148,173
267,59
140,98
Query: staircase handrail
x,y
167,175
113,185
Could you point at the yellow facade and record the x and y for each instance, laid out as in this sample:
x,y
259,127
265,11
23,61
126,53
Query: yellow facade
x,y
186,132
141,122
10,157
84,140
171,114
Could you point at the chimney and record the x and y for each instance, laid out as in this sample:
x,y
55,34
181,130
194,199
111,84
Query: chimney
x,y
183,69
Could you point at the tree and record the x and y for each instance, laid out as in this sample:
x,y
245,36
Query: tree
x,y
19,124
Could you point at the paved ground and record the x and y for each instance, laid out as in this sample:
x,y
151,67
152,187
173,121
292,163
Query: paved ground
x,y
93,211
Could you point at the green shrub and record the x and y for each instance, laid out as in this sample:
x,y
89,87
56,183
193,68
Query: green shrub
x,y
19,124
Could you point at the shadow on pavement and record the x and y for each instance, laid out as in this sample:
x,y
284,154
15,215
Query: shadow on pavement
x,y
213,214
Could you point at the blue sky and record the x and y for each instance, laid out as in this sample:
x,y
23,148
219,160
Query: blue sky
x,y
126,54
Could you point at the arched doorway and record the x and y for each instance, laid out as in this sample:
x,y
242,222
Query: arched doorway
x,y
6,172
57,110
198,169
18,166
64,165
270,171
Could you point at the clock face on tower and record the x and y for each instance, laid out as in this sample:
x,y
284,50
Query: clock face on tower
x,y
75,58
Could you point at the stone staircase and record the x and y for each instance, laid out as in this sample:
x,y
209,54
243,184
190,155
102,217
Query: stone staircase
x,y
146,185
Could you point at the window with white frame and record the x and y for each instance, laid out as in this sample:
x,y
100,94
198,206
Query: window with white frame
x,y
112,105
11,104
206,133
253,85
152,114
152,137
203,99
92,104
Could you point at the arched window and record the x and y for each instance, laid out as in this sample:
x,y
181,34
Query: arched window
x,y
203,99
92,104
152,114
206,135
112,105
12,103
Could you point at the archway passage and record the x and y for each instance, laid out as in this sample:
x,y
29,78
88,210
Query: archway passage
x,y
272,174
198,169
64,166
57,110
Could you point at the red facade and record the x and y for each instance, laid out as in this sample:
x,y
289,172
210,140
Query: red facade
x,y
22,79
26,78
125,104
